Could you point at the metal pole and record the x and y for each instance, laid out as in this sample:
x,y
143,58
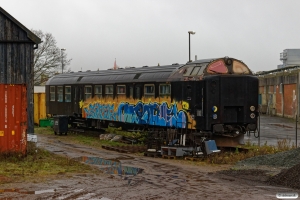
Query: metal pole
x,y
296,130
189,47
259,129
62,62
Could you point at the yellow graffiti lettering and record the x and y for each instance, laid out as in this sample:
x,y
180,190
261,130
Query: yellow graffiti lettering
x,y
185,105
81,104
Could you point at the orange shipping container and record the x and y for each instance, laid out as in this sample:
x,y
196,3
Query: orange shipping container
x,y
13,118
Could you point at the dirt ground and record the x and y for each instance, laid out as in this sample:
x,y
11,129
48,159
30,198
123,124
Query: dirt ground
x,y
142,178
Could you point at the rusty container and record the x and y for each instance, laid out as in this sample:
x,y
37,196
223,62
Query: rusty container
x,y
13,118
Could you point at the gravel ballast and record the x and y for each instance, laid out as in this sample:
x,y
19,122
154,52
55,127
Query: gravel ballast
x,y
285,159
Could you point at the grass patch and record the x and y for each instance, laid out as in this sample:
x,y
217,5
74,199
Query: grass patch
x,y
93,139
252,150
37,165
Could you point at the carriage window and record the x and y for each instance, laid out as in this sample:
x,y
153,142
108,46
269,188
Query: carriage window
x,y
195,71
217,67
121,89
60,95
52,93
87,92
67,93
98,91
109,90
188,71
200,72
164,90
149,91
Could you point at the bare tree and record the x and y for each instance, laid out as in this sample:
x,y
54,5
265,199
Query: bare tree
x,y
49,59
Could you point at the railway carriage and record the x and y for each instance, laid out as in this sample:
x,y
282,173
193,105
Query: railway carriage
x,y
216,98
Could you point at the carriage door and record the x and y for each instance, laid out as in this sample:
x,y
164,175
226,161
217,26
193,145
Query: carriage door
x,y
138,92
130,93
78,98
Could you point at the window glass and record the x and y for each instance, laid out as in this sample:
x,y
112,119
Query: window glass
x,y
149,91
121,89
201,70
109,91
188,71
98,91
67,93
52,93
87,92
217,67
195,71
60,96
164,90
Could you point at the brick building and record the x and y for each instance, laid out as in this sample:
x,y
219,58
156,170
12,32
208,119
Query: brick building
x,y
279,92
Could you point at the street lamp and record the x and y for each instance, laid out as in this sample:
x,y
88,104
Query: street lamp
x,y
62,60
190,32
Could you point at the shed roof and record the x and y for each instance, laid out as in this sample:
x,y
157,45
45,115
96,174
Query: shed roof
x,y
35,39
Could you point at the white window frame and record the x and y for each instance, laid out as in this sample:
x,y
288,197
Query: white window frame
x,y
52,93
164,94
68,94
60,95
107,86
87,95
149,94
98,94
119,87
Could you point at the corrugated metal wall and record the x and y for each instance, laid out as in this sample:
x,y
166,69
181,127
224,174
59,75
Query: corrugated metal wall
x,y
16,59
13,118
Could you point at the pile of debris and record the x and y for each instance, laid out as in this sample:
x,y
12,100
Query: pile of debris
x,y
287,177
287,164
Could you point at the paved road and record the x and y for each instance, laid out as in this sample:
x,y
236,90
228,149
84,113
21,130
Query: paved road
x,y
274,129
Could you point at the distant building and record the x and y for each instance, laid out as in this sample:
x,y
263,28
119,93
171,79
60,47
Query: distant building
x,y
279,89
289,57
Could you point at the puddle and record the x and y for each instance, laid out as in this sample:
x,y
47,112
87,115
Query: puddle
x,y
44,191
281,125
110,166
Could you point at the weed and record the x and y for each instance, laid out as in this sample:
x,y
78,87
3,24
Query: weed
x,y
252,150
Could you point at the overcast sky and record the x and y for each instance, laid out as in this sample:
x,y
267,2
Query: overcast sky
x,y
148,32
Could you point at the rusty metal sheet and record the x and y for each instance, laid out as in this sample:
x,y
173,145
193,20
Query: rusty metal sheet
x,y
13,118
223,141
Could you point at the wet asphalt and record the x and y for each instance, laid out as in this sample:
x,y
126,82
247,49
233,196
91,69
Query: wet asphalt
x,y
274,129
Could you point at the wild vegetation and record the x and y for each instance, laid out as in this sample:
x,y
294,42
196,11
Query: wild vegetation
x,y
38,165
248,151
225,157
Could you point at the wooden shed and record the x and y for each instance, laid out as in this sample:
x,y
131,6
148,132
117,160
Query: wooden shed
x,y
17,44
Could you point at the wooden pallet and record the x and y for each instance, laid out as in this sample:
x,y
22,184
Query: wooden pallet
x,y
152,154
192,158
168,157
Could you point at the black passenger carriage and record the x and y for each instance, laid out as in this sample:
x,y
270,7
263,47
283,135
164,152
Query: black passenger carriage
x,y
217,98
